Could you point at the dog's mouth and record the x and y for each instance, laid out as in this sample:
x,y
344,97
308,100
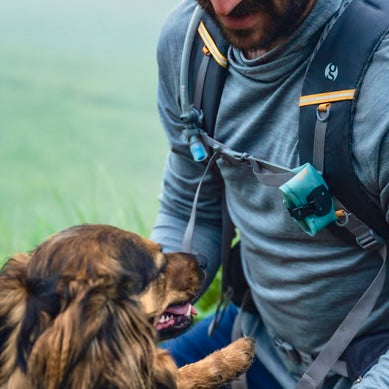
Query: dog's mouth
x,y
175,320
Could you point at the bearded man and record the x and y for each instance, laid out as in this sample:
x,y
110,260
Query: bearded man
x,y
302,287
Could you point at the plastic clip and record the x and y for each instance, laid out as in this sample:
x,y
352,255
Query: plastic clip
x,y
308,199
369,240
323,112
192,119
287,349
318,203
193,116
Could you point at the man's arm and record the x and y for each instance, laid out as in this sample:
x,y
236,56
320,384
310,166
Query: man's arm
x,y
373,147
182,174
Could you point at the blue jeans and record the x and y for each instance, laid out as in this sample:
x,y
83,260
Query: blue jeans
x,y
195,344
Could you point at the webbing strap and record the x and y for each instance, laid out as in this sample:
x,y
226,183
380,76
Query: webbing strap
x,y
200,80
236,333
340,368
335,74
347,330
345,333
241,382
328,97
320,138
276,178
267,173
189,231
212,46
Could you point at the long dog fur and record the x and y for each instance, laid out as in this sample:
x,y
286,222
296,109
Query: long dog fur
x,y
80,312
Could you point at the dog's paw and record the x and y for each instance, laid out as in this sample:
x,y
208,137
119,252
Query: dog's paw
x,y
238,356
219,368
231,361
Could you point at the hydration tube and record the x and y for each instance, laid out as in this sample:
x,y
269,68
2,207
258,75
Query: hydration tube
x,y
190,116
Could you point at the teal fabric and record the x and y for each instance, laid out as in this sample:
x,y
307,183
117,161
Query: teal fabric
x,y
303,286
296,191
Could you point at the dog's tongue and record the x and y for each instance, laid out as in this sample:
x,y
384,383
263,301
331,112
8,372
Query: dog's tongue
x,y
185,309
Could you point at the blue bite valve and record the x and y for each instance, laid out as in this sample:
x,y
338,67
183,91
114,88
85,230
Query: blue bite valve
x,y
199,153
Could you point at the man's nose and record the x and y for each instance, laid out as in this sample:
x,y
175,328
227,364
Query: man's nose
x,y
224,7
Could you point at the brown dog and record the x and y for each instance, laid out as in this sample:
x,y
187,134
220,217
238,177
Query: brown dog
x,y
84,309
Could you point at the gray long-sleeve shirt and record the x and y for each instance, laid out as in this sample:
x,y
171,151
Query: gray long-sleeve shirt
x,y
303,286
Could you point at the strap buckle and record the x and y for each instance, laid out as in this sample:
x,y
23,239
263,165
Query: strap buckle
x,y
369,240
318,203
193,116
301,212
286,348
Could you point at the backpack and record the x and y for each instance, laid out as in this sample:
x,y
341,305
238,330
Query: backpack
x,y
208,70
327,108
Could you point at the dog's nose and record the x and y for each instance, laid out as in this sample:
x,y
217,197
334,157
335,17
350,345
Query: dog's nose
x,y
202,261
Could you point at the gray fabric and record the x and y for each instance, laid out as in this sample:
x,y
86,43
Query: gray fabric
x,y
200,81
189,231
344,334
303,286
319,141
241,382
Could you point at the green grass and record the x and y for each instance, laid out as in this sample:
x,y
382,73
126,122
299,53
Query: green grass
x,y
80,139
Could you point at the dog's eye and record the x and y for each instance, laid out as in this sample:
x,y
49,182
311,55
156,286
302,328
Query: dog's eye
x,y
162,272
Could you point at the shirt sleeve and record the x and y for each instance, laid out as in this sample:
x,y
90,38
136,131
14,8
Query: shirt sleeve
x,y
377,376
182,175
371,127
383,174
372,147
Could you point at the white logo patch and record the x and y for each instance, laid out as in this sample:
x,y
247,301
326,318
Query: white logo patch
x,y
331,72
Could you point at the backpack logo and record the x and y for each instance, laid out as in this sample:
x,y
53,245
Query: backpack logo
x,y
331,72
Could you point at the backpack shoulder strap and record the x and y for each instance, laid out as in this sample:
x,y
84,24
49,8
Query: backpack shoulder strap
x,y
332,85
208,70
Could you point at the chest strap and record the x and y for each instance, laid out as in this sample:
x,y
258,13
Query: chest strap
x,y
275,175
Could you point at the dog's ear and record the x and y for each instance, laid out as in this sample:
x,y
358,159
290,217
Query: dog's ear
x,y
100,340
13,295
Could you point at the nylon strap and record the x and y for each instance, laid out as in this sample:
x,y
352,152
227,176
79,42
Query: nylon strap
x,y
189,231
241,382
266,172
328,357
320,138
200,80
340,368
345,333
228,233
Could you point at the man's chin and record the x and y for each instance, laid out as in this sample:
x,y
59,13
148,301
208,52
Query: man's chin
x,y
247,40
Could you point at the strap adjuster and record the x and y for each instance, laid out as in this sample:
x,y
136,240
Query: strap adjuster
x,y
369,240
287,349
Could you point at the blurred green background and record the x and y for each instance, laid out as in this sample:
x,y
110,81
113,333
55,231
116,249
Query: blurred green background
x,y
80,139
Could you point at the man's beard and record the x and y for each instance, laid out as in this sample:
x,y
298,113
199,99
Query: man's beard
x,y
277,24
